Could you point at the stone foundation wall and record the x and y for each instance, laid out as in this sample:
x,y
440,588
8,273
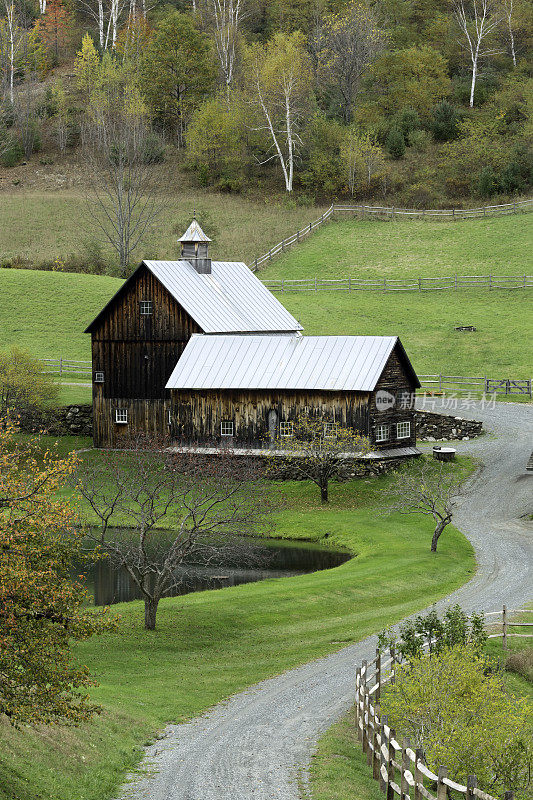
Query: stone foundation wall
x,y
433,427
64,421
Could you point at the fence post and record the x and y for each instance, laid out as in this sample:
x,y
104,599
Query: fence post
x,y
490,282
270,255
358,698
315,283
377,693
282,245
283,284
392,213
453,213
420,284
440,382
504,633
441,787
384,284
349,284
297,236
382,783
375,753
471,784
404,786
390,765
365,719
417,774
256,264
60,367
310,227
514,207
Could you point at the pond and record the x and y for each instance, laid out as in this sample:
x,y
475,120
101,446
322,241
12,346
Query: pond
x,y
247,560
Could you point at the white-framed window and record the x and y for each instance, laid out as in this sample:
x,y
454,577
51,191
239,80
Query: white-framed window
x,y
226,428
330,430
145,307
286,429
382,433
98,377
403,430
121,416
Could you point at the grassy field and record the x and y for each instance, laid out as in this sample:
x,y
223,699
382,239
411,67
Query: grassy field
x,y
368,247
43,226
339,770
209,645
46,312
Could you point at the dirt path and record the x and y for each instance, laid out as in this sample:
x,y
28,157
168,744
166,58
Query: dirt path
x,y
257,746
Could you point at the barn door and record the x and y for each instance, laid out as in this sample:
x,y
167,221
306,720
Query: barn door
x,y
272,425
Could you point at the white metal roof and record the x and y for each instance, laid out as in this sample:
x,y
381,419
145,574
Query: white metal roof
x,y
334,363
228,300
194,234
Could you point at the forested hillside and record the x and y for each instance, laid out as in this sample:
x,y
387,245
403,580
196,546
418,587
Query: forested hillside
x,y
419,102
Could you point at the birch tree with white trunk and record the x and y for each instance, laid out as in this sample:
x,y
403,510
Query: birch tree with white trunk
x,y
107,18
225,17
508,8
478,20
279,78
12,40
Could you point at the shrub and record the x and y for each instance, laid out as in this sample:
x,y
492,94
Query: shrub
x,y
153,149
444,122
23,385
407,121
395,143
521,663
419,140
487,182
458,711
11,151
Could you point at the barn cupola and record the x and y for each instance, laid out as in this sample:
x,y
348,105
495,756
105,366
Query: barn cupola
x,y
195,248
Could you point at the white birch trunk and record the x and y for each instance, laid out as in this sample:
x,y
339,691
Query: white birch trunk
x,y
101,23
10,14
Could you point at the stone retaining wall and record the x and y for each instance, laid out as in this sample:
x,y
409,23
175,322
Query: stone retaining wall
x,y
433,427
64,421
78,421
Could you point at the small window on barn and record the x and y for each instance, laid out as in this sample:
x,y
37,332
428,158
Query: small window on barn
x,y
121,416
286,429
226,428
382,433
146,307
330,430
98,377
403,430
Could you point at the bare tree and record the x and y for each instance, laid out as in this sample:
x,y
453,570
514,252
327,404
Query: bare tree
x,y
316,447
477,20
346,45
225,17
204,501
425,488
125,196
279,78
107,15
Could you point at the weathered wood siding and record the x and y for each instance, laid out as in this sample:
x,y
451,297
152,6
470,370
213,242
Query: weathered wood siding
x,y
137,352
148,417
196,416
395,380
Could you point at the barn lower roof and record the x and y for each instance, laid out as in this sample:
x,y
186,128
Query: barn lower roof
x,y
309,363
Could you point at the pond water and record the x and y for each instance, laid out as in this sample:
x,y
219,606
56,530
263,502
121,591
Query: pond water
x,y
247,560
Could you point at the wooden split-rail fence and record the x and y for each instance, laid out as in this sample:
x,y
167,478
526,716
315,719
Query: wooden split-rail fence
x,y
417,284
65,366
392,213
400,769
476,384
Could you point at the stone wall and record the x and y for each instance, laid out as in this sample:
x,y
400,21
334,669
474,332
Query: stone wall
x,y
433,427
63,421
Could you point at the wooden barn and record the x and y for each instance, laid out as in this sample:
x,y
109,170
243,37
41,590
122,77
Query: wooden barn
x,y
202,351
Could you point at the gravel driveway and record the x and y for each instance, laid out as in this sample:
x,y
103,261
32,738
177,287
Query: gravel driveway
x,y
257,745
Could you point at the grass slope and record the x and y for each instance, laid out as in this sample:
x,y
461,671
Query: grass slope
x,y
42,226
404,248
209,645
46,312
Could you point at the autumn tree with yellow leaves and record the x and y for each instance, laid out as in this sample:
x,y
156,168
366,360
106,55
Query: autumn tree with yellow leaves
x,y
42,608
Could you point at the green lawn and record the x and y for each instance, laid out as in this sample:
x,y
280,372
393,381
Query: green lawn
x,y
209,645
368,248
425,323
